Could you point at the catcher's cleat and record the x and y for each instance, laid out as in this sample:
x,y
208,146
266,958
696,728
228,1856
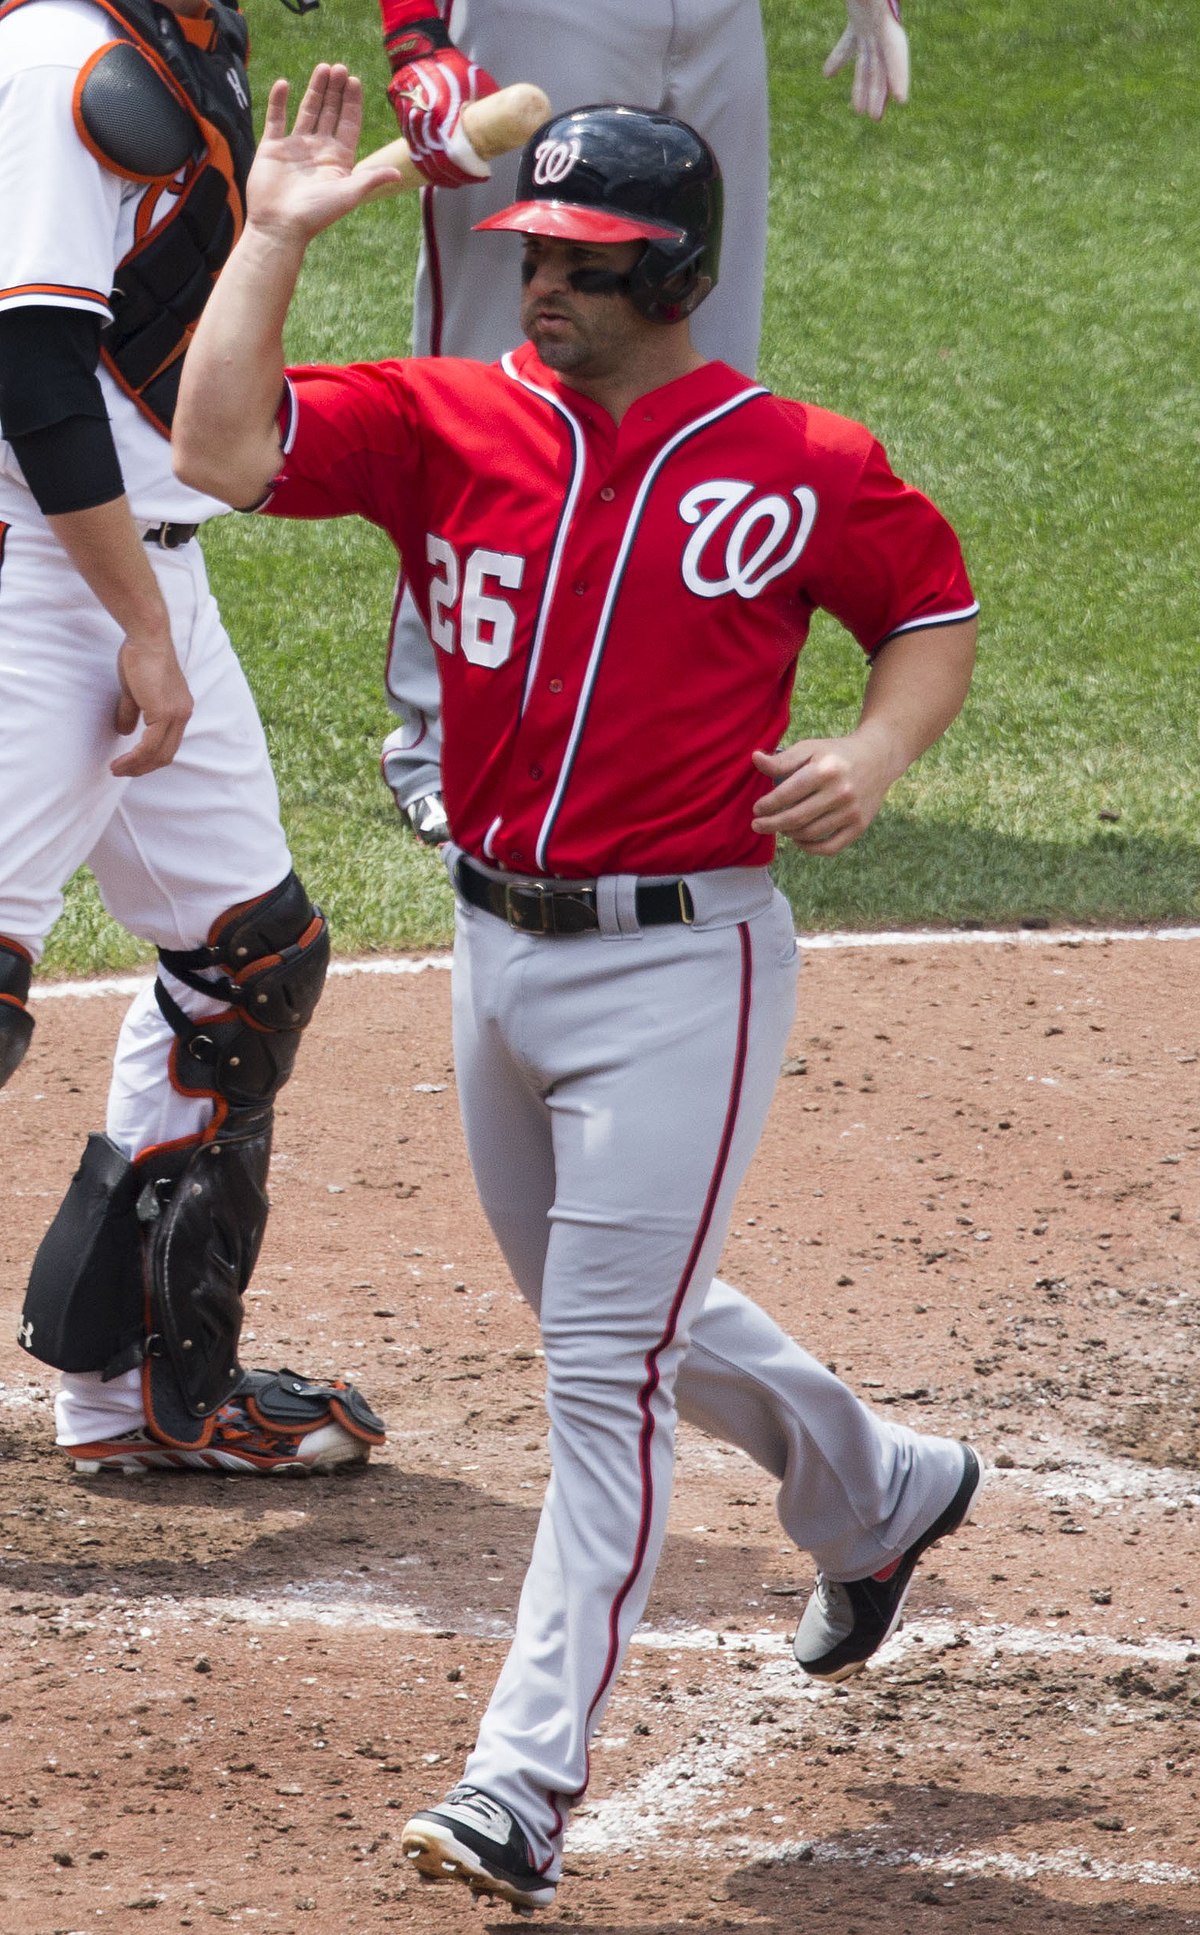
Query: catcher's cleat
x,y
427,818
843,1624
470,1837
331,1428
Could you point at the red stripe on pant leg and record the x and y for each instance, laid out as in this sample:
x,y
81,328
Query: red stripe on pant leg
x,y
433,263
646,1435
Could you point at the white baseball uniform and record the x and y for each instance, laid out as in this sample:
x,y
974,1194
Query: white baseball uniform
x,y
174,849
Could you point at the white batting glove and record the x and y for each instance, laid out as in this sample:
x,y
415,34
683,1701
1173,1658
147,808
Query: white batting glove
x,y
878,45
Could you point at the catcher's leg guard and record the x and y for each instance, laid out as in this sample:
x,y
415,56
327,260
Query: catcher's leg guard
x,y
85,1305
147,1261
189,1218
16,1022
284,1401
270,957
204,1210
205,1214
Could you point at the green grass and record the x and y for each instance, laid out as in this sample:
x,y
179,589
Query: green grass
x,y
1002,280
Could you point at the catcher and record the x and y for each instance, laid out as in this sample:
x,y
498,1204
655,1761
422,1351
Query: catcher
x,y
125,143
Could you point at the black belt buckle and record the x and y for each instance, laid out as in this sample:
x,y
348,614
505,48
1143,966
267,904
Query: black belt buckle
x,y
529,907
169,537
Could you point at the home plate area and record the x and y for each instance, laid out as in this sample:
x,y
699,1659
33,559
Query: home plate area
x,y
222,1698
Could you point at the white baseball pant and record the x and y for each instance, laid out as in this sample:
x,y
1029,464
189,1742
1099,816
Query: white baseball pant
x,y
171,850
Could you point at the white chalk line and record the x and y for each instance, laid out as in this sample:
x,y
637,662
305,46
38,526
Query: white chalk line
x,y
1051,1466
1068,1864
681,1806
327,1604
131,984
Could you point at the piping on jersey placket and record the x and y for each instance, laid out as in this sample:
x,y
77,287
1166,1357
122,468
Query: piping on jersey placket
x,y
561,534
565,518
610,598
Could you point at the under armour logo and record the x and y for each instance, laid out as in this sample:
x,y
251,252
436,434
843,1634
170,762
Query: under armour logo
x,y
765,541
235,81
25,1334
554,160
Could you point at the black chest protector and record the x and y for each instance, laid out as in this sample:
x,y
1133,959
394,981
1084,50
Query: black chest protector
x,y
168,104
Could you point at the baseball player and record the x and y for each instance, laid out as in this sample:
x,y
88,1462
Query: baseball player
x,y
618,546
125,141
701,59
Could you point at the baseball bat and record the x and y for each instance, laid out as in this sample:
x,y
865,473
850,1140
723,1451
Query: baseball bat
x,y
493,126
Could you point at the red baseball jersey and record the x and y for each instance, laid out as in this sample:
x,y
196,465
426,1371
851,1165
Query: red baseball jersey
x,y
618,609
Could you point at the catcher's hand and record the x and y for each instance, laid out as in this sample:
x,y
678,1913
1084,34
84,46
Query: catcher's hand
x,y
878,45
431,84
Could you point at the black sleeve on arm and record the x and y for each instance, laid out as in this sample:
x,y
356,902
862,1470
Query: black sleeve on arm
x,y
52,408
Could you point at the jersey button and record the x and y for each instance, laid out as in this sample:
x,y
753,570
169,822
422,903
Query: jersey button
x,y
579,590
607,494
535,772
556,685
516,854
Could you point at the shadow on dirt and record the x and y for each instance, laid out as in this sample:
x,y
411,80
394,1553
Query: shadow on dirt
x,y
433,1544
893,1876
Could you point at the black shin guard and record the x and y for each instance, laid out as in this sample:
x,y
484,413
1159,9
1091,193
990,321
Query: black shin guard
x,y
204,1218
149,1260
85,1305
271,957
16,1022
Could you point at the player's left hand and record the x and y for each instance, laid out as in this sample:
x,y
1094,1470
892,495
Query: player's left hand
x,y
429,95
878,45
153,690
826,793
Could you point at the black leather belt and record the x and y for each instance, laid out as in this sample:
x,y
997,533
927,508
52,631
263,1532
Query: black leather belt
x,y
169,537
536,906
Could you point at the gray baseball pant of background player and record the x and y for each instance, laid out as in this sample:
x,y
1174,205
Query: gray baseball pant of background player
x,y
613,1089
702,60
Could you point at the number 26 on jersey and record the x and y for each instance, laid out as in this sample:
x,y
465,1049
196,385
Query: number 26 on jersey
x,y
486,621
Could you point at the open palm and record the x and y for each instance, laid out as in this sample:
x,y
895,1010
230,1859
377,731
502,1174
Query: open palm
x,y
303,181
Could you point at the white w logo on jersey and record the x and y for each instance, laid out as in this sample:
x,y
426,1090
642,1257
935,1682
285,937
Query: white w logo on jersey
x,y
754,555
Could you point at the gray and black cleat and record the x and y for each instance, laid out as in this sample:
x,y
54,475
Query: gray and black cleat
x,y
470,1837
844,1623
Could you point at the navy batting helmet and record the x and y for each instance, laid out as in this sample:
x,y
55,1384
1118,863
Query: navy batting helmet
x,y
624,174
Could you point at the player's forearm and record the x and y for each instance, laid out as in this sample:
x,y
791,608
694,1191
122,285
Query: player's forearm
x,y
105,546
224,439
915,690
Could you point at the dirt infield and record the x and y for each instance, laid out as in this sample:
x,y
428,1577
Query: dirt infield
x,y
978,1197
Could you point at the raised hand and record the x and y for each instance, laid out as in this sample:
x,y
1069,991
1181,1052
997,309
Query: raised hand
x,y
305,180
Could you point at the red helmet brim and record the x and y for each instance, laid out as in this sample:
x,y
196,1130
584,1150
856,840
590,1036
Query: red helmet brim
x,y
576,222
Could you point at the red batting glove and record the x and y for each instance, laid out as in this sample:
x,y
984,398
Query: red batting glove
x,y
429,96
429,89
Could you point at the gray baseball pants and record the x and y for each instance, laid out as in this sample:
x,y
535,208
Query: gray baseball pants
x,y
613,1089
